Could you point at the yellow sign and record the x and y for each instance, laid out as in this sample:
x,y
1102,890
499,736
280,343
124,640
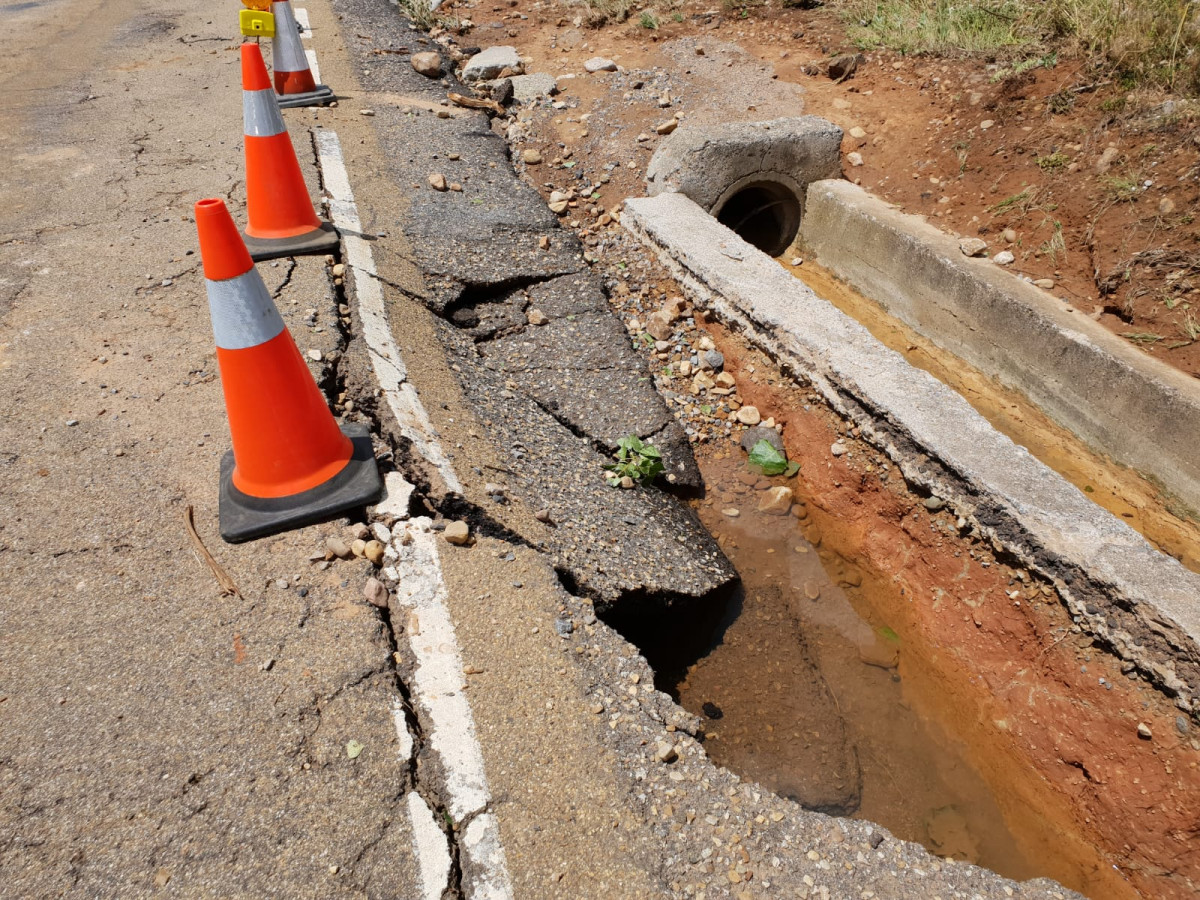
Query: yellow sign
x,y
256,23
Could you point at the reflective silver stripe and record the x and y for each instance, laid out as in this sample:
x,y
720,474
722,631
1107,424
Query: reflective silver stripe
x,y
260,109
243,314
287,54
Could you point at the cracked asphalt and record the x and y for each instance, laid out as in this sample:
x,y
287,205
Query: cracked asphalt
x,y
160,738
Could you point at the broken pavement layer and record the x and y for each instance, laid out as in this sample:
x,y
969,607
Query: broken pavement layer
x,y
565,391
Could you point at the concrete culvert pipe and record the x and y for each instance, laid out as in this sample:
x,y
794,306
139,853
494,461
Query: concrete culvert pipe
x,y
753,176
763,213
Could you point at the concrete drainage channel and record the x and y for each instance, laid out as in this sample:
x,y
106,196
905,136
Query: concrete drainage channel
x,y
1038,630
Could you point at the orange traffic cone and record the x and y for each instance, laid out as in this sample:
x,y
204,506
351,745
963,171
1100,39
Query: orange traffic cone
x,y
280,213
294,82
290,463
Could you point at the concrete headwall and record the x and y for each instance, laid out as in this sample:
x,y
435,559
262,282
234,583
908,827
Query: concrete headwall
x,y
1136,409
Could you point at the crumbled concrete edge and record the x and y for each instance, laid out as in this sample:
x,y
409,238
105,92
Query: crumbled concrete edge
x,y
1135,408
710,164
1122,591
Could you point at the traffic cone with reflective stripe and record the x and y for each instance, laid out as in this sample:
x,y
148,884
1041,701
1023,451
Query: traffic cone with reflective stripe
x,y
294,82
291,464
281,221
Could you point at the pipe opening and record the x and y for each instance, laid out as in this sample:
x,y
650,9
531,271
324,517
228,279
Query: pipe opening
x,y
765,214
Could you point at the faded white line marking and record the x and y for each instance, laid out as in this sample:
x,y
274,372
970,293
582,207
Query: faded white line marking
x,y
438,687
415,569
311,56
301,16
429,844
381,346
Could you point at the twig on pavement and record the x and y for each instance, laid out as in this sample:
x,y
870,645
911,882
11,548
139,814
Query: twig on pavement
x,y
228,587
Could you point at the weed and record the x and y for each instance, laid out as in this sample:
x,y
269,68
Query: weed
x,y
648,21
961,149
1114,104
419,12
1121,189
1021,201
1061,103
600,12
676,17
636,459
1055,244
1190,327
1053,162
1142,337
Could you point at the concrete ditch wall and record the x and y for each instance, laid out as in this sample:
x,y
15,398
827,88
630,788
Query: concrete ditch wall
x,y
1132,407
1135,599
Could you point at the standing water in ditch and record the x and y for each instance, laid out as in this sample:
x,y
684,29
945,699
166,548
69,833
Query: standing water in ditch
x,y
803,692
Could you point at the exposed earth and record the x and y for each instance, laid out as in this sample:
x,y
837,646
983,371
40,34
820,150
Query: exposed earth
x,y
1091,183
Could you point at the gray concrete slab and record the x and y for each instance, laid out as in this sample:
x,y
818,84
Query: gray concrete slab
x,y
1124,403
1130,596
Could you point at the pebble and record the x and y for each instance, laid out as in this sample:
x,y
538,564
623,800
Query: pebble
x,y
437,181
457,533
933,504
986,124
542,515
665,752
338,548
854,158
1003,258
314,355
359,532
1181,724
359,547
714,358
667,127
535,316
599,64
427,63
838,448
797,260
374,552
748,415
489,63
531,157
1046,284
972,247
339,270
1166,206
71,423
375,593
858,132
731,512
1009,236
812,590
1143,732
775,501
366,112
281,584
1107,158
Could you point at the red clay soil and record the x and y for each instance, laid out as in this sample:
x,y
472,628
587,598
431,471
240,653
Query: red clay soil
x,y
1048,717
1096,183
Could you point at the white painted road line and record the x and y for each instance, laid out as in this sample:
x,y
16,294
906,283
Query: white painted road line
x,y
311,55
439,688
414,567
301,16
385,355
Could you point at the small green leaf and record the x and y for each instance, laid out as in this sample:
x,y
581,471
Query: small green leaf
x,y
569,165
888,635
353,749
767,459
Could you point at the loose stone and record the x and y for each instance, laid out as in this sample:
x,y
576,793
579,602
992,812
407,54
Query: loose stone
x,y
373,551
531,157
1003,258
427,63
437,181
776,501
375,593
337,547
457,533
748,415
972,247
599,64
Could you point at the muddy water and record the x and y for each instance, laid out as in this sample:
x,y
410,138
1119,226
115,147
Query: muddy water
x,y
804,690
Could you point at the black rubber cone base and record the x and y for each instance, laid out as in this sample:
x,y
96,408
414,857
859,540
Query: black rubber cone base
x,y
244,518
322,96
318,241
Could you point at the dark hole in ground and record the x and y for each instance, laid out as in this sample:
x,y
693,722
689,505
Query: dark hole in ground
x,y
765,214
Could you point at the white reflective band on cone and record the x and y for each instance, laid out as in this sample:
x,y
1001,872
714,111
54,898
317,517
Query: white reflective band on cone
x,y
260,109
288,53
243,314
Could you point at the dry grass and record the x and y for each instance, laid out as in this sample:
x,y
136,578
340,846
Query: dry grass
x,y
1140,42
